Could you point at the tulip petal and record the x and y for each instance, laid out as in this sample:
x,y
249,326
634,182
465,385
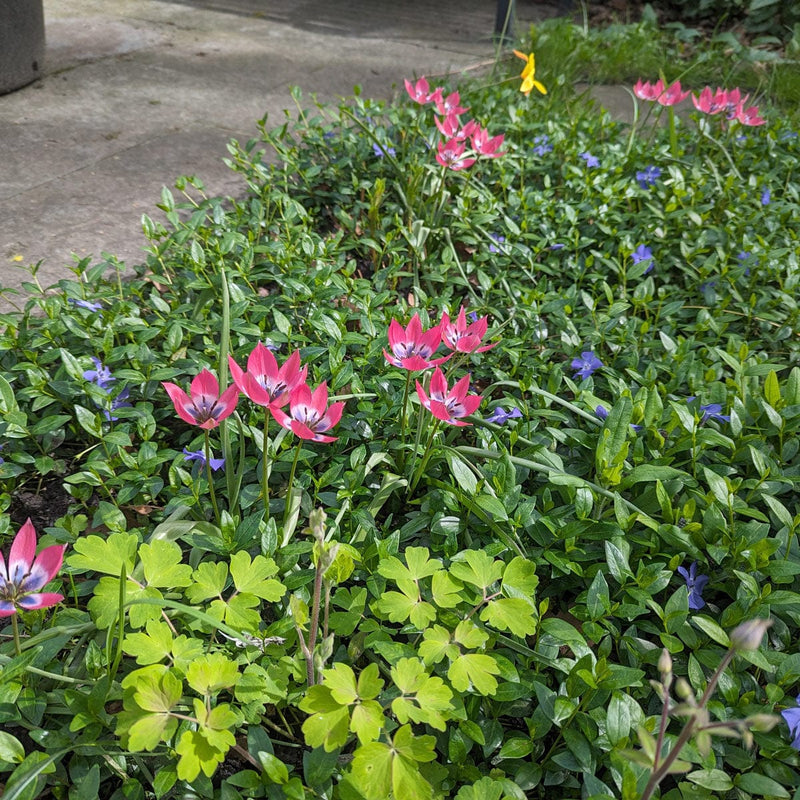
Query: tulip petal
x,y
23,550
44,569
181,402
40,600
204,384
7,608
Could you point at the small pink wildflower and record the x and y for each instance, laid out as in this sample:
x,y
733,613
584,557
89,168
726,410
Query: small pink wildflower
x,y
449,405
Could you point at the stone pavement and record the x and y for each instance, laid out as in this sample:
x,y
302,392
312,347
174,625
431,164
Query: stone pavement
x,y
136,93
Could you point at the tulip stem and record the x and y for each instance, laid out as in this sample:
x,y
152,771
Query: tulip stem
x,y
265,465
287,510
15,631
211,479
426,455
404,420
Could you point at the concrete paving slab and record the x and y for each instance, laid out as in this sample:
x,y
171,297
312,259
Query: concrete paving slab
x,y
136,93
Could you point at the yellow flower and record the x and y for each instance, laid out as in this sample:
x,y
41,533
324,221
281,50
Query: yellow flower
x,y
528,74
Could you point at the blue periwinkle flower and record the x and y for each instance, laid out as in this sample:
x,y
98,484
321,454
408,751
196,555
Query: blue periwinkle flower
x,y
648,176
591,161
585,364
643,253
792,717
200,457
543,145
766,197
100,375
87,304
382,150
500,417
695,584
493,248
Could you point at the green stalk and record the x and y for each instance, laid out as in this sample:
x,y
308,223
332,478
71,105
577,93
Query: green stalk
x,y
547,469
211,479
404,420
15,631
425,457
225,437
265,466
673,134
289,492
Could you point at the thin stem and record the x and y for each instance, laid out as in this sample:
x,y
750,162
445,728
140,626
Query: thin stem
x,y
662,727
211,480
662,770
289,491
426,455
15,631
265,465
404,420
314,626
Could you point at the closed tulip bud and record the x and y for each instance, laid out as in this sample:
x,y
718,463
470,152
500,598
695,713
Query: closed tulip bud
x,y
749,634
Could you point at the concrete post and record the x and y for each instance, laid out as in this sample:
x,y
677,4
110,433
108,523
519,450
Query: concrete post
x,y
21,43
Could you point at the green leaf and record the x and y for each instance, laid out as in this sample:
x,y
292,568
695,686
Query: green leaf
x,y
755,783
155,688
254,577
436,644
196,754
423,697
445,591
468,634
341,680
676,611
145,731
772,390
623,715
208,580
484,789
90,421
161,560
476,670
210,673
476,567
419,565
367,720
711,629
598,602
151,647
510,614
11,749
370,683
381,771
329,722
107,556
520,579
464,476
714,780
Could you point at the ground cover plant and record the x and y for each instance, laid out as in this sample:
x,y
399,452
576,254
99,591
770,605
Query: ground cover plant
x,y
457,459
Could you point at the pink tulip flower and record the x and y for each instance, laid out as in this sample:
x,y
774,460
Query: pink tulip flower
x,y
451,127
644,90
205,408
449,405
749,116
465,338
710,103
486,145
264,383
450,105
412,347
672,95
27,573
309,415
451,155
419,92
